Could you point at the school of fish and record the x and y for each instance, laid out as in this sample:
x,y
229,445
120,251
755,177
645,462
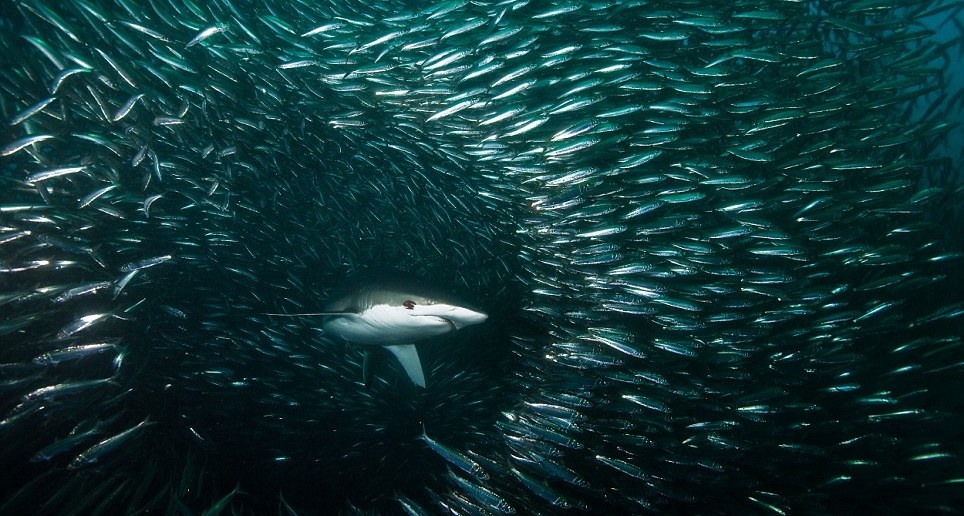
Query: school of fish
x,y
718,243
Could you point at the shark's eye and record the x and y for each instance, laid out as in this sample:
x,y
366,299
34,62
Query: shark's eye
x,y
408,303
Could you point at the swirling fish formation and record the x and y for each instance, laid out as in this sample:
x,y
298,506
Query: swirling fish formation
x,y
716,241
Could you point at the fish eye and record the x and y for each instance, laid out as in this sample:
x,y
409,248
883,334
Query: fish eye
x,y
408,303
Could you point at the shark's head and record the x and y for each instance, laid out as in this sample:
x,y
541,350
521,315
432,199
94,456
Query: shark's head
x,y
456,316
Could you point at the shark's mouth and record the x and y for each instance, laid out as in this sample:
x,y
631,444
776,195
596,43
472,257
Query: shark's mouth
x,y
450,322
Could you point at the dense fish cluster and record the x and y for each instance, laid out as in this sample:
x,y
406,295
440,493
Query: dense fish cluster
x,y
717,243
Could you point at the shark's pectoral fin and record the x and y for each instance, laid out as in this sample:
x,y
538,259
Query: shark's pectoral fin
x,y
408,357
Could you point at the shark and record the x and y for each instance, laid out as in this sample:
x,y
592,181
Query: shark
x,y
394,314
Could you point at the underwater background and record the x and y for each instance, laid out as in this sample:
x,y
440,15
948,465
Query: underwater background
x,y
719,244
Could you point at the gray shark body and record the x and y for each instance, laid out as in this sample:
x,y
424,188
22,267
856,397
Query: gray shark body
x,y
394,315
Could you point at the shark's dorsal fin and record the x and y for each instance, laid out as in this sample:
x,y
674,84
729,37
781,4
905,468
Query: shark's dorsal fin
x,y
407,355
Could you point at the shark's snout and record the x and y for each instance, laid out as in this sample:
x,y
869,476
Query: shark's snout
x,y
461,317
